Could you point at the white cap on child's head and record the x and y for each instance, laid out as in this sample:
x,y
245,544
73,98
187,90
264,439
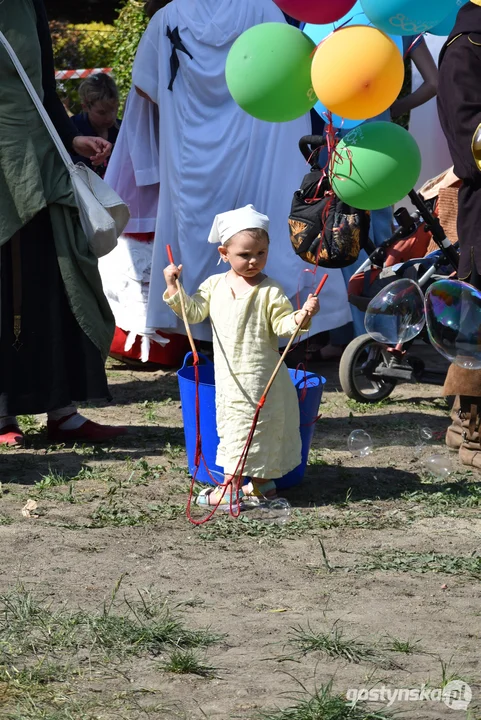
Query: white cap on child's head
x,y
229,223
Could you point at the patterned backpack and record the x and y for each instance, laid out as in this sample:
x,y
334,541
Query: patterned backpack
x,y
324,230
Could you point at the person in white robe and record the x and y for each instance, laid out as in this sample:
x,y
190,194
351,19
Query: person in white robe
x,y
134,173
425,125
212,157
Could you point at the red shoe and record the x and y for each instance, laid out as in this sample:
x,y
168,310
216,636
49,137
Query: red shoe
x,y
89,432
12,436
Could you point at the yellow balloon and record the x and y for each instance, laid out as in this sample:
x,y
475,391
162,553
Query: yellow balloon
x,y
357,72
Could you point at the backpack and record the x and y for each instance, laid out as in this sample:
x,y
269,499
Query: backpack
x,y
324,230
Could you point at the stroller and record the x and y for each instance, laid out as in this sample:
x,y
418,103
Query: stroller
x,y
369,371
418,250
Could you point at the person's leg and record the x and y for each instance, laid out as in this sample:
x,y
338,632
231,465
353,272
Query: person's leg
x,y
465,384
52,361
261,488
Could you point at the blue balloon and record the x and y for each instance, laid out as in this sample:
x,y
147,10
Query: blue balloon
x,y
444,28
407,17
318,33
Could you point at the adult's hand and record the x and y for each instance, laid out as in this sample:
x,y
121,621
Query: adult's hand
x,y
96,149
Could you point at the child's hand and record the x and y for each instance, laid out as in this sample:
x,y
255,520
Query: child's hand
x,y
171,274
308,310
311,306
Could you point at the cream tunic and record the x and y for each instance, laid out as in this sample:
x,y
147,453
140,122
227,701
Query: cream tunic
x,y
245,331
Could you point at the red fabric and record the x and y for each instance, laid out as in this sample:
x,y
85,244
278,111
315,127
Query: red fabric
x,y
141,237
355,286
171,354
412,247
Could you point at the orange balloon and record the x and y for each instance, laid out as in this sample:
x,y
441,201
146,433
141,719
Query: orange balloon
x,y
357,72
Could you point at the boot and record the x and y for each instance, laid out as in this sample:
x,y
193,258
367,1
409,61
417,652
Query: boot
x,y
470,449
463,433
454,433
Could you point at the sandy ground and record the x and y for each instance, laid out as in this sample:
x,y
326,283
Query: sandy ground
x,y
379,561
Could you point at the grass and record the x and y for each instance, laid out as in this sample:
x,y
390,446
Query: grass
x,y
144,625
316,458
244,526
450,495
402,561
300,523
117,512
29,423
144,473
118,509
334,644
408,647
42,672
52,479
128,705
323,704
52,657
187,662
366,408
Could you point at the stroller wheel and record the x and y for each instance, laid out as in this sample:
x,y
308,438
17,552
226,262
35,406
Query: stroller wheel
x,y
356,371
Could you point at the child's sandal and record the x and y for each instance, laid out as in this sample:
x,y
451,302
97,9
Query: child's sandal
x,y
205,499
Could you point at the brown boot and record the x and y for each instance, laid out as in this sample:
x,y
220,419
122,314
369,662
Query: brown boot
x,y
463,433
470,450
454,433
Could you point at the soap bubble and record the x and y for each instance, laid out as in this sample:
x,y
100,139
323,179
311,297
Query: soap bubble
x,y
279,510
396,314
359,443
425,433
419,449
275,512
439,465
453,314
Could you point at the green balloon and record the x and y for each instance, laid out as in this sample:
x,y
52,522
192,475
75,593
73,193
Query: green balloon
x,y
268,72
375,165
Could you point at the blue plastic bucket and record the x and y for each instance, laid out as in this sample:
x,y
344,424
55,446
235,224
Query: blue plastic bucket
x,y
309,390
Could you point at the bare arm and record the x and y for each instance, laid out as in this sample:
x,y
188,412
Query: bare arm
x,y
424,62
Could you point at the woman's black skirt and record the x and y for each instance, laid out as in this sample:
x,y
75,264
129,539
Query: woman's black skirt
x,y
54,363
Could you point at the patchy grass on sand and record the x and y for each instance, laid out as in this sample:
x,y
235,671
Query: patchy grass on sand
x,y
113,606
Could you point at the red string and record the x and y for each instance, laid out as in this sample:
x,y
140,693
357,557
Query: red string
x,y
406,54
235,480
234,508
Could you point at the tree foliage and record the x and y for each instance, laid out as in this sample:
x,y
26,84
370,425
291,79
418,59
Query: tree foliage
x,y
129,28
87,45
96,45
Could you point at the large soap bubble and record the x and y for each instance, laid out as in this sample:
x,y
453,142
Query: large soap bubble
x,y
396,315
453,313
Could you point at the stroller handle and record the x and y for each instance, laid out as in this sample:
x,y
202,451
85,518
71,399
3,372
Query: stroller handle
x,y
310,143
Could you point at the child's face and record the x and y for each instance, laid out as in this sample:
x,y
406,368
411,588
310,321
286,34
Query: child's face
x,y
103,113
246,254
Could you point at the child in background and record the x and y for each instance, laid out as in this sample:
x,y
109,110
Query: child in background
x,y
248,312
100,102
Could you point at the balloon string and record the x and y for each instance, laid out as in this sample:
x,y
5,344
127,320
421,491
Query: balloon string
x,y
406,54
